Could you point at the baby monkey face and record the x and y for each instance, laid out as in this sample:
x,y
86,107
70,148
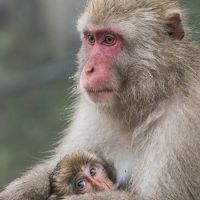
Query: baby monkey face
x,y
92,178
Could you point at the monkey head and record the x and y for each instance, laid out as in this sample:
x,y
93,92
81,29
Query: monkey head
x,y
128,57
82,172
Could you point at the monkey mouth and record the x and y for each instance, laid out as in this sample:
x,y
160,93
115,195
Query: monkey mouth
x,y
100,95
99,91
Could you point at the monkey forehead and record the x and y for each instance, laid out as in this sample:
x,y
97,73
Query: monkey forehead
x,y
114,12
79,158
99,29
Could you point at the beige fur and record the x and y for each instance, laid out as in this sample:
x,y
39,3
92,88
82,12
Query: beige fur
x,y
152,134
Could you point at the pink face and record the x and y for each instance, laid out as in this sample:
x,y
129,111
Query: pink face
x,y
92,178
101,48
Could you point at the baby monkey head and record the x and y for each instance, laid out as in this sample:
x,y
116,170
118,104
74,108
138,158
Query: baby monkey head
x,y
82,172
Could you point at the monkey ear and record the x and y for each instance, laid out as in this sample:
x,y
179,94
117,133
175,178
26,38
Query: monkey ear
x,y
174,24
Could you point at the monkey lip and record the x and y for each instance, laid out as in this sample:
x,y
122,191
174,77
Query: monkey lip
x,y
97,91
100,95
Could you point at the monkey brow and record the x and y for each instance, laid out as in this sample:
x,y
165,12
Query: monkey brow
x,y
100,31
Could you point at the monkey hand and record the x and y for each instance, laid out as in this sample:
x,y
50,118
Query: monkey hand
x,y
111,195
54,197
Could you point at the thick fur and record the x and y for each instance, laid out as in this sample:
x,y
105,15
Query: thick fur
x,y
62,178
153,134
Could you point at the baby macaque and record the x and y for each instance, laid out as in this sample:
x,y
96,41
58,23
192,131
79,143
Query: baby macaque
x,y
79,173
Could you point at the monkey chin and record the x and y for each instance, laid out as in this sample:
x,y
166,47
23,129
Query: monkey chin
x,y
101,98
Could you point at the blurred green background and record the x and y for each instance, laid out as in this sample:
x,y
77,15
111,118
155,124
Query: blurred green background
x,y
38,44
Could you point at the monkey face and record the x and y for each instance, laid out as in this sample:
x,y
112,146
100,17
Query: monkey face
x,y
97,78
92,178
125,59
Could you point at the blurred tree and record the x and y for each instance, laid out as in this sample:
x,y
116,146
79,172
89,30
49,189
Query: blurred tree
x,y
60,17
193,9
23,37
31,107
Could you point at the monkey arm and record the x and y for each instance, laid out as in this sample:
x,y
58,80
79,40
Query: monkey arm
x,y
33,185
114,195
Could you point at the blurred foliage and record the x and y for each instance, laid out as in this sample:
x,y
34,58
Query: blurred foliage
x,y
30,120
29,123
23,38
193,10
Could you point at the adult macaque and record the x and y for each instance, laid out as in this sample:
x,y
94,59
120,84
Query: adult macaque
x,y
138,103
79,173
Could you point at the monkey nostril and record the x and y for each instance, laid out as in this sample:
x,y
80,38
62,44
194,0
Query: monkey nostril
x,y
89,70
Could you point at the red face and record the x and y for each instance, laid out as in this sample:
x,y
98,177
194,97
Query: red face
x,y
92,178
101,48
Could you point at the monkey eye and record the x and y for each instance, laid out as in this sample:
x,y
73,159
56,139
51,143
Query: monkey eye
x,y
93,171
109,39
91,38
81,184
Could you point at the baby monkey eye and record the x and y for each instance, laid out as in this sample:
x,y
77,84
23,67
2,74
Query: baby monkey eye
x,y
81,184
109,39
93,171
91,38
